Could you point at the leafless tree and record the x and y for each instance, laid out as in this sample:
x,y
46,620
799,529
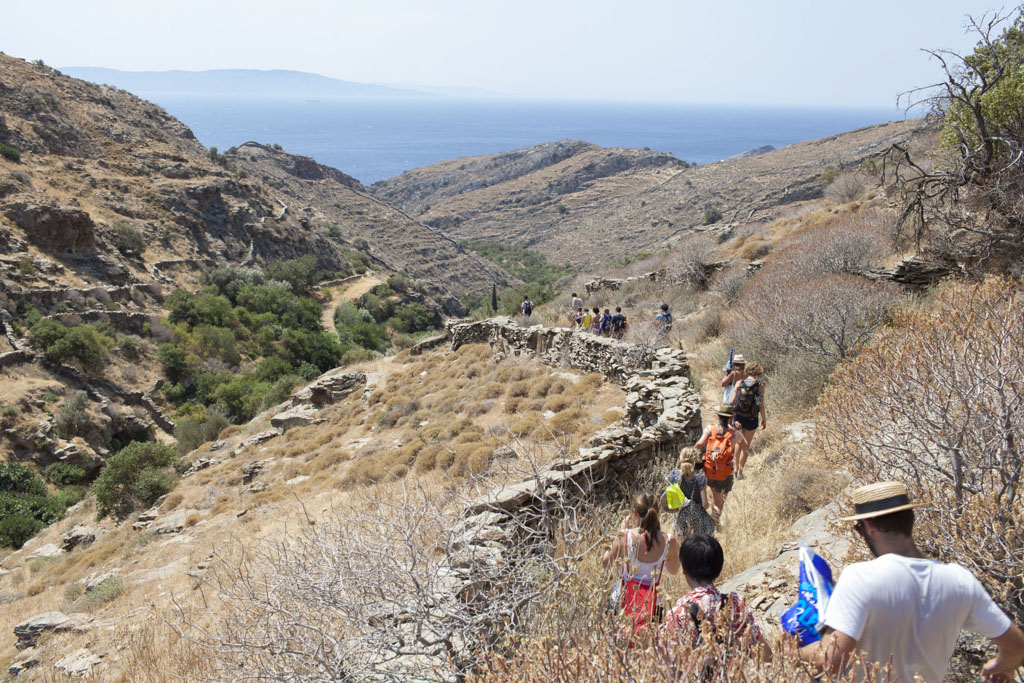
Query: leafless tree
x,y
691,261
975,195
388,588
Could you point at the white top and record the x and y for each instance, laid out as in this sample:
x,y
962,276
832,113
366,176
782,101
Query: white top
x,y
646,573
912,610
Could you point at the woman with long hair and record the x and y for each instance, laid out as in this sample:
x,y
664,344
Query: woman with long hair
x,y
646,552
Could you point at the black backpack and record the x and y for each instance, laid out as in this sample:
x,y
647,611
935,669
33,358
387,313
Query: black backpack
x,y
746,398
528,308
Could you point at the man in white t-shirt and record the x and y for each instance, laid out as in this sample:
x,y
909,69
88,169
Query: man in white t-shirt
x,y
904,607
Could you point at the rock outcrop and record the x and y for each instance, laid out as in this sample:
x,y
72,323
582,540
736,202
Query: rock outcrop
x,y
52,227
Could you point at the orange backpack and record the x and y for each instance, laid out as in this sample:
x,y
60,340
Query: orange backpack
x,y
718,456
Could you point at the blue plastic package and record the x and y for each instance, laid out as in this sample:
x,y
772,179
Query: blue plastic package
x,y
806,618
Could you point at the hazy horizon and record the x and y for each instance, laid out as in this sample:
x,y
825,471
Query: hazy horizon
x,y
798,53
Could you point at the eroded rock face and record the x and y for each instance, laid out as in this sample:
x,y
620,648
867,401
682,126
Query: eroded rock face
x,y
52,227
80,535
28,631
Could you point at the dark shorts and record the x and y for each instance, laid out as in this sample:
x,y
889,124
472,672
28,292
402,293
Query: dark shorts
x,y
749,425
724,486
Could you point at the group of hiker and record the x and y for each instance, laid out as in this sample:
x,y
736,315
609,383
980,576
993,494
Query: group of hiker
x,y
606,324
901,609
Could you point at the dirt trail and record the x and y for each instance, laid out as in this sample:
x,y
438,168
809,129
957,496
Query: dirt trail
x,y
346,292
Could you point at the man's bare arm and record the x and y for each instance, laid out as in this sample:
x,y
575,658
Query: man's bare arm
x,y
829,654
1009,658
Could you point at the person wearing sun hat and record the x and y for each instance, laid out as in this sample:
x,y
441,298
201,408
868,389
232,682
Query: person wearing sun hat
x,y
904,607
721,441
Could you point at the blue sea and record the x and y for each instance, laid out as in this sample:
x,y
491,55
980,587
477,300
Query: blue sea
x,y
376,139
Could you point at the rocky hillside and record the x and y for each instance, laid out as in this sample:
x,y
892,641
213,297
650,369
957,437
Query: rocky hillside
x,y
89,164
586,205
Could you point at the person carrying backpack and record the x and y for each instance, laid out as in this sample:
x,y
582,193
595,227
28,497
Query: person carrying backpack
x,y
748,403
701,558
526,307
662,322
646,552
619,323
720,442
606,323
573,316
692,517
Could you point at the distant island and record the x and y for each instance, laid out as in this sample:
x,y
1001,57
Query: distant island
x,y
245,82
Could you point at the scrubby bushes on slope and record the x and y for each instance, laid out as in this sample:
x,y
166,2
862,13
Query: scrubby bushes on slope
x,y
26,506
937,401
134,477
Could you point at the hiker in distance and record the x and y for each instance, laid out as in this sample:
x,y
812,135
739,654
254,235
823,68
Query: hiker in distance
x,y
575,310
619,324
595,321
904,606
748,403
526,307
720,442
662,322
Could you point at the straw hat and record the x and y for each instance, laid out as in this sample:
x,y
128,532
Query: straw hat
x,y
882,498
738,359
726,410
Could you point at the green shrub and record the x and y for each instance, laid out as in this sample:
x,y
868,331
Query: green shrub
x,y
63,474
107,590
17,528
86,343
10,153
69,495
281,390
712,215
192,433
136,476
15,478
72,420
46,509
301,273
128,240
173,359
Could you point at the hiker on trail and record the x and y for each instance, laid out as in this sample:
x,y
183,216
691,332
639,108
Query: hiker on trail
x,y
748,402
575,309
595,321
662,322
645,552
702,558
720,442
606,323
905,607
734,373
619,323
526,307
692,517
585,320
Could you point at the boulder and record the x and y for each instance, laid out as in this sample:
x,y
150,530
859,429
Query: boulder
x,y
28,631
23,662
77,663
54,228
79,535
299,416
257,439
171,523
48,550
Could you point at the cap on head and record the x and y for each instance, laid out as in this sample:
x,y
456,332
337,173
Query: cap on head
x,y
881,498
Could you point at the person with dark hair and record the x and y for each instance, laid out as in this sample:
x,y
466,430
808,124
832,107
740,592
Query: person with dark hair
x,y
646,551
595,321
619,323
575,310
720,441
662,323
701,558
903,607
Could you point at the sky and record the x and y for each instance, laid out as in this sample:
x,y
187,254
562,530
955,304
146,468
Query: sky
x,y
756,52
